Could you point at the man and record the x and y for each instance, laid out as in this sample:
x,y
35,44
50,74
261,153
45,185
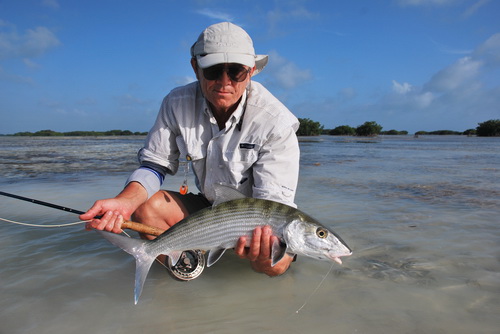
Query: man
x,y
231,129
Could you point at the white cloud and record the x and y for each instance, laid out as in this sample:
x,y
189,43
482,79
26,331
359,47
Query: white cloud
x,y
424,100
456,95
447,49
87,101
217,15
130,101
281,14
489,51
288,11
285,73
426,2
33,43
51,4
30,63
401,88
5,76
474,8
347,94
458,74
181,81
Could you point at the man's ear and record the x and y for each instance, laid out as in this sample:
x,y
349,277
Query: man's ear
x,y
194,65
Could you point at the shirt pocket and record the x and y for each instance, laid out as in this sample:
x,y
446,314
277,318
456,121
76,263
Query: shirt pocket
x,y
240,160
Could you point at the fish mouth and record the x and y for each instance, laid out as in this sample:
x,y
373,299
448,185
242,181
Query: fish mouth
x,y
336,257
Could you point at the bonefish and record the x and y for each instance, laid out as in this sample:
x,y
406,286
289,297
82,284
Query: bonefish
x,y
217,228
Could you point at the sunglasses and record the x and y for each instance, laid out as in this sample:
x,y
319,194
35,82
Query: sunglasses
x,y
236,72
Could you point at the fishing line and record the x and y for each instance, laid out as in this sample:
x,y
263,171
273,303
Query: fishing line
x,y
312,293
39,225
54,206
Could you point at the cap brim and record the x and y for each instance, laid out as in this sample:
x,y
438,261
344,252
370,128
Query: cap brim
x,y
220,58
259,61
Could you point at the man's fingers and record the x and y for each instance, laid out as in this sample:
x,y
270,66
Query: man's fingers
x,y
92,212
117,228
254,251
240,247
265,243
259,247
110,221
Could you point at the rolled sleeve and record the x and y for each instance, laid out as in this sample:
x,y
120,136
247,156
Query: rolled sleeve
x,y
149,179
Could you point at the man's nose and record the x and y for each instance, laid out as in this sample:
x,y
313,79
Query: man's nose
x,y
224,78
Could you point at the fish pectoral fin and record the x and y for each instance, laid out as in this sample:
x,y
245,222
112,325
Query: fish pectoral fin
x,y
214,255
278,250
173,257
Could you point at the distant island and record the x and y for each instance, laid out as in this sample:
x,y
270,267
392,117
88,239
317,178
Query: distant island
x,y
307,127
50,133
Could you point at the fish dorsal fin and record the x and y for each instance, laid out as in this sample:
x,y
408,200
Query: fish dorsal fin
x,y
225,193
214,255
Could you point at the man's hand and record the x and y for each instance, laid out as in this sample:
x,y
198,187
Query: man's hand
x,y
259,252
114,211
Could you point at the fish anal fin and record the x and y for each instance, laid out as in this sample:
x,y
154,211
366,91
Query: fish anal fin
x,y
173,257
214,255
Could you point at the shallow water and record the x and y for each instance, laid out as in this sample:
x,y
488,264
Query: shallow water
x,y
420,214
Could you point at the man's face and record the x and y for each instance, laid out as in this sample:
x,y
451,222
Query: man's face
x,y
222,92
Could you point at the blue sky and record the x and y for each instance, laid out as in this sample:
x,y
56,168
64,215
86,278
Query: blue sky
x,y
102,65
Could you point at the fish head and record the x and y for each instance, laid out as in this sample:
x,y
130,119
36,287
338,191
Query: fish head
x,y
306,236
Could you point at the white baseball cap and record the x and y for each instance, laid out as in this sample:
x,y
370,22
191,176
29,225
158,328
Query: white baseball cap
x,y
225,42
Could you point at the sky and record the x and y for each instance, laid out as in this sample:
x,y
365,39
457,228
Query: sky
x,y
100,65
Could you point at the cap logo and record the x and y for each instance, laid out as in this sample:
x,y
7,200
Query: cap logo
x,y
222,44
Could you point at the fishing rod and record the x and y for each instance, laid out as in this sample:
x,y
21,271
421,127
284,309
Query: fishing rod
x,y
138,227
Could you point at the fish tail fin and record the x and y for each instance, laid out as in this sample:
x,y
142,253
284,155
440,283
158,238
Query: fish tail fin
x,y
139,249
142,266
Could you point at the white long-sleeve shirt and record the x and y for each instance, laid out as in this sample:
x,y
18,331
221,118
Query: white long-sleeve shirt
x,y
256,153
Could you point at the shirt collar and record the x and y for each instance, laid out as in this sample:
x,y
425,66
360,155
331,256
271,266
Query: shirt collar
x,y
237,115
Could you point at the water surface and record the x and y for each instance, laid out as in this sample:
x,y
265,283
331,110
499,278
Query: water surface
x,y
421,215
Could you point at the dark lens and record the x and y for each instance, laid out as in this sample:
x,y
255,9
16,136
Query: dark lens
x,y
213,72
236,72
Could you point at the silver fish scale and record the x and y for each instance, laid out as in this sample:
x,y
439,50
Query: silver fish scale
x,y
223,225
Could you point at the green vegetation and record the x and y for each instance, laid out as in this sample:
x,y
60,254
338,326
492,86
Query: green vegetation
x,y
394,133
439,132
368,129
50,133
343,130
309,128
489,128
470,132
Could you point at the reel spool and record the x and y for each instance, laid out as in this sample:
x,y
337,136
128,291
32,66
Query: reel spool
x,y
190,265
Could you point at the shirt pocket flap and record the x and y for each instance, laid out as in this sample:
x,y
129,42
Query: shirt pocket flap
x,y
244,153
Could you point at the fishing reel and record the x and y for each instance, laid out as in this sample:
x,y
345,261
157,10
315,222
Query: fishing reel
x,y
190,265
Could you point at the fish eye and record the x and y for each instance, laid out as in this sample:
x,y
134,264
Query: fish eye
x,y
321,232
